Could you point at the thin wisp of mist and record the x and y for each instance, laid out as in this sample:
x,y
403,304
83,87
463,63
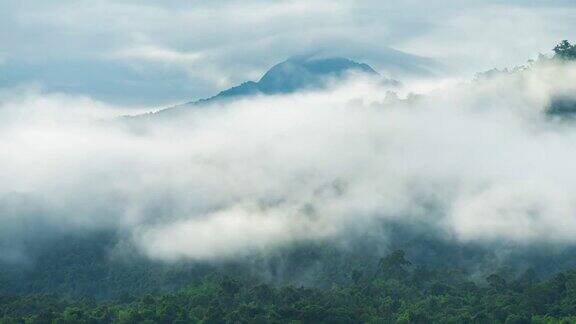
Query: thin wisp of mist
x,y
249,176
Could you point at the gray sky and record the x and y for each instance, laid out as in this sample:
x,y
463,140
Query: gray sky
x,y
155,53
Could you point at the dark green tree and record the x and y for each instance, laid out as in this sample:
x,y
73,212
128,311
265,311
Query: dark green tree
x,y
565,50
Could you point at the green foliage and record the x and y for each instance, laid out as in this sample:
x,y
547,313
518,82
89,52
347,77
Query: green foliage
x,y
565,51
395,293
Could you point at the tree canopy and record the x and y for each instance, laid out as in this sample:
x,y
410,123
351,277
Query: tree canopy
x,y
395,292
565,50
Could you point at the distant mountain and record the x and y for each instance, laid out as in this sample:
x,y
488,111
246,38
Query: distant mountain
x,y
295,74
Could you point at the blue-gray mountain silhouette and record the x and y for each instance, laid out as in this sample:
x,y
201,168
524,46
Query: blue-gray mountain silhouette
x,y
295,74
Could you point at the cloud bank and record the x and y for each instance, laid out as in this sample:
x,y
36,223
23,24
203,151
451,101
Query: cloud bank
x,y
477,162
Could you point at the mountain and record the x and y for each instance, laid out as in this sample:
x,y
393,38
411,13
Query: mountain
x,y
295,74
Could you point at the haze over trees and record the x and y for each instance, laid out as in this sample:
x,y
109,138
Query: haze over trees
x,y
409,274
396,291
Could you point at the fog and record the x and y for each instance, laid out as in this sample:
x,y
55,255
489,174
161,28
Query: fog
x,y
474,162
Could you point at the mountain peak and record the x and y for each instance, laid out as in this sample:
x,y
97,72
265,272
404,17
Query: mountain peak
x,y
300,72
294,74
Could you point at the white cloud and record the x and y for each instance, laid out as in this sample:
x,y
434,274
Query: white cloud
x,y
159,54
265,172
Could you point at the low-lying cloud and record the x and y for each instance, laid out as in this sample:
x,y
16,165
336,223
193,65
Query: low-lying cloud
x,y
261,173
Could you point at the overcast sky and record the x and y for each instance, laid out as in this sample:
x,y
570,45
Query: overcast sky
x,y
152,53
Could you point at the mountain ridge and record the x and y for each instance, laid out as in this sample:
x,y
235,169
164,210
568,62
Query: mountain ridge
x,y
294,74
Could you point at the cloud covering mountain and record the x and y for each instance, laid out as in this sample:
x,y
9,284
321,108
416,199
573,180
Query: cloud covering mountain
x,y
299,73
148,53
475,162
